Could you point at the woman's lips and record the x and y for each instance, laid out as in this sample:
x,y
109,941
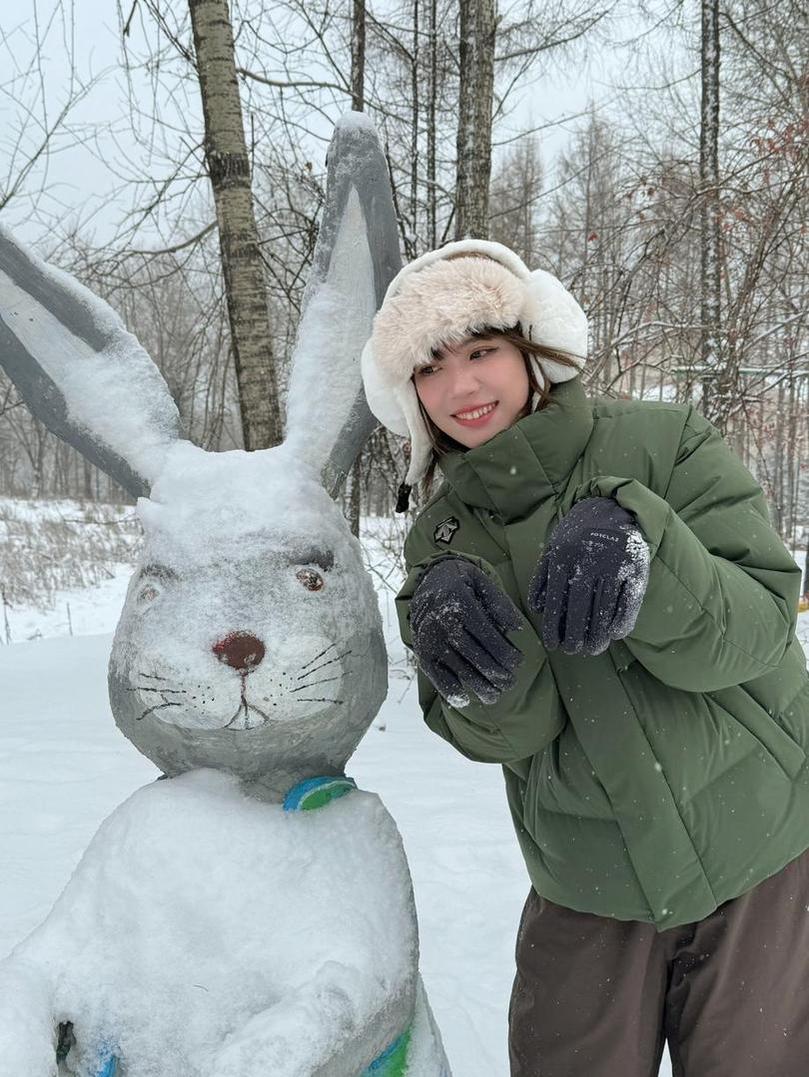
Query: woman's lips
x,y
481,420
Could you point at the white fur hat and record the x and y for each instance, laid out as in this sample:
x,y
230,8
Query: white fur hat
x,y
439,299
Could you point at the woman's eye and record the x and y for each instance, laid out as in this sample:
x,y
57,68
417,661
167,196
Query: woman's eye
x,y
481,351
310,579
426,371
148,593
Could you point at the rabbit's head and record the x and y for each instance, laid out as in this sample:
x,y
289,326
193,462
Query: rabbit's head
x,y
250,639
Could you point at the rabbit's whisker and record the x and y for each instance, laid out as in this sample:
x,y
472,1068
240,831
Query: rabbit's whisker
x,y
159,707
324,680
302,699
149,688
323,664
153,677
311,660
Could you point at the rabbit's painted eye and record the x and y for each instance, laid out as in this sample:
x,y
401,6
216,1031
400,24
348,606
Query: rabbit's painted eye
x,y
148,593
310,579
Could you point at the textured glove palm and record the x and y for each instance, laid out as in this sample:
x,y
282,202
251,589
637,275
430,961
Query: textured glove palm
x,y
459,618
590,582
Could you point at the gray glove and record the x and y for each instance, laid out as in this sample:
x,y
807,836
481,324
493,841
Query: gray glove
x,y
591,580
459,618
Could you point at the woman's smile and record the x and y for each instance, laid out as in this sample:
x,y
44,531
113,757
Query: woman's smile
x,y
477,416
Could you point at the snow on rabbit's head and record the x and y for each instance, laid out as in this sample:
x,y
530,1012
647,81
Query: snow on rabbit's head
x,y
250,639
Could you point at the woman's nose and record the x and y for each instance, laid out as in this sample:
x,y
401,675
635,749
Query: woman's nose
x,y
465,380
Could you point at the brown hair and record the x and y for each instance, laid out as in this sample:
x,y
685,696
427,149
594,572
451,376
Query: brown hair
x,y
442,443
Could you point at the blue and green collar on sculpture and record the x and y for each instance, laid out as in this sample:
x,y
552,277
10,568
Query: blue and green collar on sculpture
x,y
318,792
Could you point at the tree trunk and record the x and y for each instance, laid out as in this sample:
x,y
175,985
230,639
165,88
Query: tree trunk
x,y
358,57
354,484
432,194
352,497
780,452
87,486
474,145
229,169
720,379
415,105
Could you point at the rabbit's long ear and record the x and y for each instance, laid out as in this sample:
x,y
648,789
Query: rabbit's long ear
x,y
80,372
356,256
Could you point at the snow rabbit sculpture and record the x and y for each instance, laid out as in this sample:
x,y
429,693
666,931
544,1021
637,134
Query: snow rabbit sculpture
x,y
251,916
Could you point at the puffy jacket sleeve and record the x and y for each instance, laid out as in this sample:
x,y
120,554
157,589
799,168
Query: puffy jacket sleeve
x,y
526,717
721,602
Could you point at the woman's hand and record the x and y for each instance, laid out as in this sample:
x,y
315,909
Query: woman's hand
x,y
459,618
590,582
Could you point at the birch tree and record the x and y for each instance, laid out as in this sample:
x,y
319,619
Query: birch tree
x,y
474,144
354,481
228,166
358,56
718,401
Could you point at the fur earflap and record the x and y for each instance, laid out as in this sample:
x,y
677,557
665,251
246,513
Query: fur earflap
x,y
442,304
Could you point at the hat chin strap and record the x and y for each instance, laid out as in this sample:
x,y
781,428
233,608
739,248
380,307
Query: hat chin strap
x,y
421,447
541,377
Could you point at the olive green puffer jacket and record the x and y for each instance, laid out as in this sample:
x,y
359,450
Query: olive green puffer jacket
x,y
667,775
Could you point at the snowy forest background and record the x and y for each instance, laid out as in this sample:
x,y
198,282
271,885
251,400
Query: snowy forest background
x,y
673,203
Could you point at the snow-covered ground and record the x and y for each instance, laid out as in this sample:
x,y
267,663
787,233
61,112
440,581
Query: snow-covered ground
x,y
64,767
78,611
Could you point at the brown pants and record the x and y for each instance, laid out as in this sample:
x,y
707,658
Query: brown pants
x,y
595,997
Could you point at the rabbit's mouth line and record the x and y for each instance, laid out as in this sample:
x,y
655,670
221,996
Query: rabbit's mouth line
x,y
243,718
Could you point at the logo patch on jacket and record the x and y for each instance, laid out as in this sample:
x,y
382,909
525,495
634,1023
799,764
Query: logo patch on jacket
x,y
445,530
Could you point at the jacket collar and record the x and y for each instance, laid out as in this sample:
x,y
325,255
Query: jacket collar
x,y
522,466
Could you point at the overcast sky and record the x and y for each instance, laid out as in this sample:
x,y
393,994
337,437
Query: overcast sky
x,y
81,179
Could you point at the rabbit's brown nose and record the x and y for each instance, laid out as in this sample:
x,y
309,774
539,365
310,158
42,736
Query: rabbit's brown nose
x,y
239,650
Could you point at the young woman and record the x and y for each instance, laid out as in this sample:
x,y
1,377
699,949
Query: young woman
x,y
598,602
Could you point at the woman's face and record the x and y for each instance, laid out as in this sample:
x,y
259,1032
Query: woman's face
x,y
474,389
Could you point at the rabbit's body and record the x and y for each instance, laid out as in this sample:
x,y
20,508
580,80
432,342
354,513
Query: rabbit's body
x,y
207,931
208,934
